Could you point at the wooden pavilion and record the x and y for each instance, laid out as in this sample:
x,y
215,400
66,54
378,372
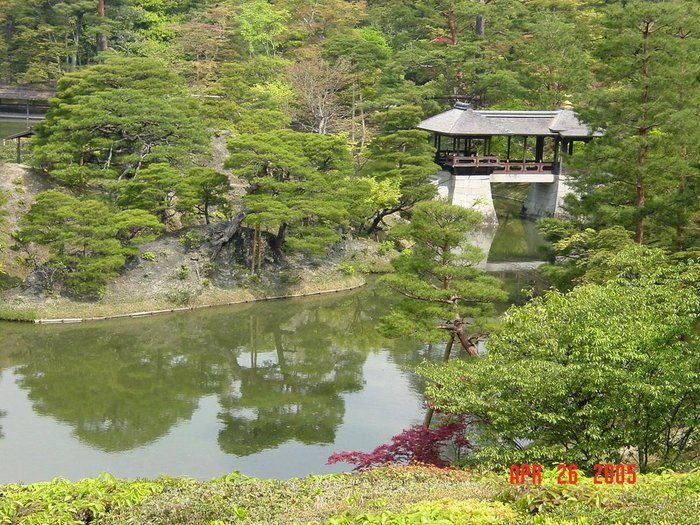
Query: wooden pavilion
x,y
478,147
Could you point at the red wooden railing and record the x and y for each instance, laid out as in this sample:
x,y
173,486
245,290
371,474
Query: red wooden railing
x,y
497,165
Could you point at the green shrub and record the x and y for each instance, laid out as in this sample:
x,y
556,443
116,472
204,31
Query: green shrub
x,y
61,502
183,272
190,240
385,247
447,512
346,268
148,256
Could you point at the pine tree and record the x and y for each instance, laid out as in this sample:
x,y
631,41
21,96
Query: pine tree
x,y
88,241
438,278
298,186
111,120
400,164
642,172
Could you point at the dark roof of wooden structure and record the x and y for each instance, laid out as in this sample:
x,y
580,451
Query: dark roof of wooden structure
x,y
462,120
22,134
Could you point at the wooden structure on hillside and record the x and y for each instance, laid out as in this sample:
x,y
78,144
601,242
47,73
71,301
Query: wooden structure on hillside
x,y
478,147
18,137
23,102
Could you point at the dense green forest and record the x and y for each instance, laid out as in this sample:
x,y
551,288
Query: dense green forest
x,y
296,120
144,85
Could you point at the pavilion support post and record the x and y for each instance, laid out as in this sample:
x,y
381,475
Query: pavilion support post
x,y
539,149
508,149
19,150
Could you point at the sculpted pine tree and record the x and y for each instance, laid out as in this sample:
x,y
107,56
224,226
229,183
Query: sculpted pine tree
x,y
110,120
402,158
442,288
298,186
88,242
205,190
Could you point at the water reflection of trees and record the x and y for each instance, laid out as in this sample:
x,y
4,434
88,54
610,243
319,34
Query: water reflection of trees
x,y
279,370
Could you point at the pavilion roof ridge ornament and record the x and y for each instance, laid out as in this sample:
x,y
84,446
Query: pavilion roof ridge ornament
x,y
463,120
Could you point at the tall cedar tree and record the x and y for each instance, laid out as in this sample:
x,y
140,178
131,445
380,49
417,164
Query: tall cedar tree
x,y
438,279
402,159
298,186
110,120
643,173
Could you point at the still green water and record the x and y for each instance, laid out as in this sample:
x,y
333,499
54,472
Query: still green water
x,y
270,389
11,126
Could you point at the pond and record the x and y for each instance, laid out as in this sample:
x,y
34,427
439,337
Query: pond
x,y
11,126
270,389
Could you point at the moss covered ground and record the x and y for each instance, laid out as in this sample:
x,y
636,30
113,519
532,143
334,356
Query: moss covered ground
x,y
383,496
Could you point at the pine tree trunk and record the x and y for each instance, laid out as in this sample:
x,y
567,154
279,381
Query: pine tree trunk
x,y
363,124
278,241
101,37
261,246
480,26
643,130
375,223
252,252
450,14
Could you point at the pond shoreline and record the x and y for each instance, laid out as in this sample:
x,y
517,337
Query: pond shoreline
x,y
195,307
148,313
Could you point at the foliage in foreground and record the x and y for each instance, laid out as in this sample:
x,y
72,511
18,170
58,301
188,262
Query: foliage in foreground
x,y
388,496
62,502
606,373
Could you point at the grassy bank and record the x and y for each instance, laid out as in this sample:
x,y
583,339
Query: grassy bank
x,y
64,308
388,496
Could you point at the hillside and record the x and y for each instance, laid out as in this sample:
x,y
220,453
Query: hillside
x,y
18,185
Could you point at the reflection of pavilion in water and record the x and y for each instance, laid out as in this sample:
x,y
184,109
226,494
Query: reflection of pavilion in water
x,y
515,245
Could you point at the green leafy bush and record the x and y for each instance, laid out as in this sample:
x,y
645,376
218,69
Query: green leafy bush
x,y
444,512
62,502
190,240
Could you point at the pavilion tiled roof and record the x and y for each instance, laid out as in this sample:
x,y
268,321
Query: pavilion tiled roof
x,y
462,121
